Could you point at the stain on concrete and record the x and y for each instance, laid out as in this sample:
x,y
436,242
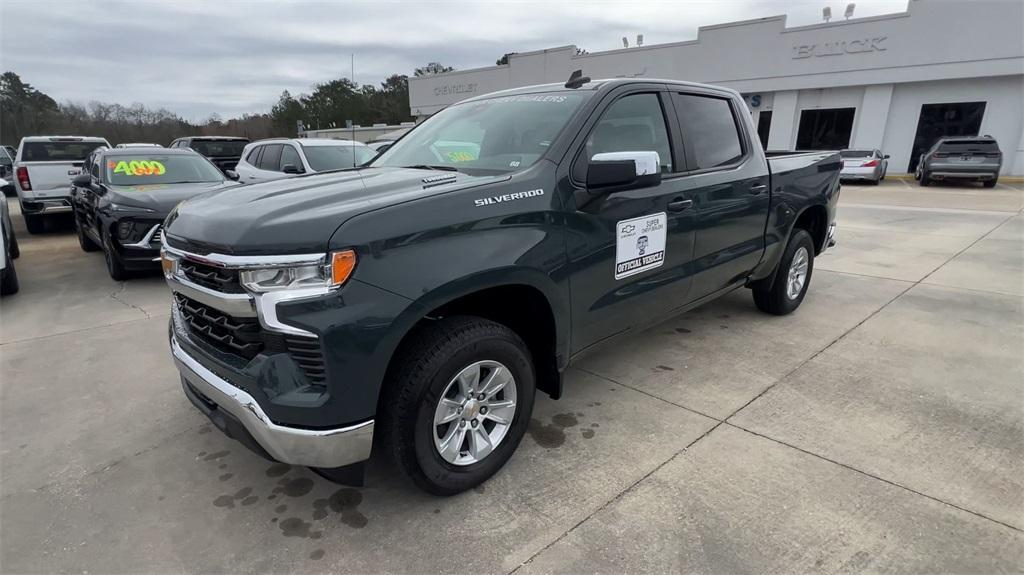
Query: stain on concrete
x,y
666,368
298,487
280,509
216,456
587,433
564,420
272,497
222,466
205,430
224,501
161,498
226,476
546,436
243,493
273,519
295,527
317,555
437,511
682,330
345,501
278,469
480,488
250,500
580,414
200,454
595,425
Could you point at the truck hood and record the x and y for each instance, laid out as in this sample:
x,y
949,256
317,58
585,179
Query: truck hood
x,y
300,214
161,197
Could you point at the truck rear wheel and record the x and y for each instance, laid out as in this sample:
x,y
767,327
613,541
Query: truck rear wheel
x,y
456,403
791,278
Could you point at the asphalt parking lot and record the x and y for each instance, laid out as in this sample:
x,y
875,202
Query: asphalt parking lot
x,y
880,428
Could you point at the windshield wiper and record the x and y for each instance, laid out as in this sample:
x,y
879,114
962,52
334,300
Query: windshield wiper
x,y
428,167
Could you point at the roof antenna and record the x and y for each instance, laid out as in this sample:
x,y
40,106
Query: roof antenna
x,y
577,79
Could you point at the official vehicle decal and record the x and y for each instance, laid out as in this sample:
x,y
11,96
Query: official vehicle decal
x,y
639,244
510,198
137,167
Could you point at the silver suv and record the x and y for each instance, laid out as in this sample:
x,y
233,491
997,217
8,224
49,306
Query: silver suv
x,y
976,158
284,157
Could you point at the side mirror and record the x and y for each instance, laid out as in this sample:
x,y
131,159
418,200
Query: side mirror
x,y
291,169
232,175
618,171
82,181
885,157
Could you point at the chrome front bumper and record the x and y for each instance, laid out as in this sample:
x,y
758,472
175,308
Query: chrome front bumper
x,y
326,448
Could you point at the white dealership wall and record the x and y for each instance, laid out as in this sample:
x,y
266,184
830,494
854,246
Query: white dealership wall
x,y
887,67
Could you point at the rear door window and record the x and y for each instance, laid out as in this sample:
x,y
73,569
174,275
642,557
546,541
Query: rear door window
x,y
710,131
271,158
57,151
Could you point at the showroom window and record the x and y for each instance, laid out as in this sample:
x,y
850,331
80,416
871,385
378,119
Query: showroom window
x,y
828,129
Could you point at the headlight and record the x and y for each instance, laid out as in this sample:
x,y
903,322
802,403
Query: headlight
x,y
318,275
130,209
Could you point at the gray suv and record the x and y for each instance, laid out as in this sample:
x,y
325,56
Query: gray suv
x,y
976,158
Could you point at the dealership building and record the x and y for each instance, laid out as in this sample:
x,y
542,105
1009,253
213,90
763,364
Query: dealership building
x,y
894,82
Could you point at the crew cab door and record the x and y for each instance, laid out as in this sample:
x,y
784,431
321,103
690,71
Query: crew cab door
x,y
729,185
617,279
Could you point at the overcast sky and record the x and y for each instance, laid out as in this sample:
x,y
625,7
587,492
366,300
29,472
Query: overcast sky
x,y
232,57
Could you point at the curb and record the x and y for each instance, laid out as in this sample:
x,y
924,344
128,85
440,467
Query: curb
x,y
1002,179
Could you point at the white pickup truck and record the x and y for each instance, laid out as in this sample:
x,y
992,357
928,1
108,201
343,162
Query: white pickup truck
x,y
43,170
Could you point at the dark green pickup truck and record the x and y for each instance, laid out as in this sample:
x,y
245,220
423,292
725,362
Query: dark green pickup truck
x,y
421,300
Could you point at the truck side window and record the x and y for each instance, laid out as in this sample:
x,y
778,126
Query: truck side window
x,y
709,130
633,123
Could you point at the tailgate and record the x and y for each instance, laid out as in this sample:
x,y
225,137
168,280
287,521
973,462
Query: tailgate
x,y
50,176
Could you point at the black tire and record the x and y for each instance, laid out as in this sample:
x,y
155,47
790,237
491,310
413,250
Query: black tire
x,y
422,371
991,183
15,248
776,300
115,267
874,182
925,180
84,241
35,224
8,278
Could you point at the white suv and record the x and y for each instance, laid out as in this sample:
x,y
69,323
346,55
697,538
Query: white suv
x,y
282,157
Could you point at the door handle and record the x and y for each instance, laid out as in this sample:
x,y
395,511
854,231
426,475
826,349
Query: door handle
x,y
758,188
679,204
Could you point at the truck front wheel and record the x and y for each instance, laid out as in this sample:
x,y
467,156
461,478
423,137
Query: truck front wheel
x,y
791,278
457,402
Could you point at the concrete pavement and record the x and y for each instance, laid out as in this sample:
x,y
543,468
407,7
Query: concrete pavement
x,y
879,428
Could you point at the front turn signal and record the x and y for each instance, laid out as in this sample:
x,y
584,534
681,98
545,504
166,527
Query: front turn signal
x,y
342,265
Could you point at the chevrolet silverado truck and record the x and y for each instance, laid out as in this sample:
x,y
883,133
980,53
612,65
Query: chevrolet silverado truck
x,y
43,169
418,302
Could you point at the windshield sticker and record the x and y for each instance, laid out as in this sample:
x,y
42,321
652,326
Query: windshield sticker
x,y
460,157
639,244
137,167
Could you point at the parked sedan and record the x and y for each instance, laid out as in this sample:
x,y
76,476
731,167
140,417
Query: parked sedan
x,y
280,158
864,165
122,197
977,159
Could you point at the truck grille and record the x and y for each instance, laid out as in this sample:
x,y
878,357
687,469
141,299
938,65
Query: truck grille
x,y
243,337
216,278
237,336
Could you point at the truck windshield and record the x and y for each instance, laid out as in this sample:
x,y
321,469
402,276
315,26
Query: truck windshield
x,y
323,158
217,148
57,151
145,169
496,135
